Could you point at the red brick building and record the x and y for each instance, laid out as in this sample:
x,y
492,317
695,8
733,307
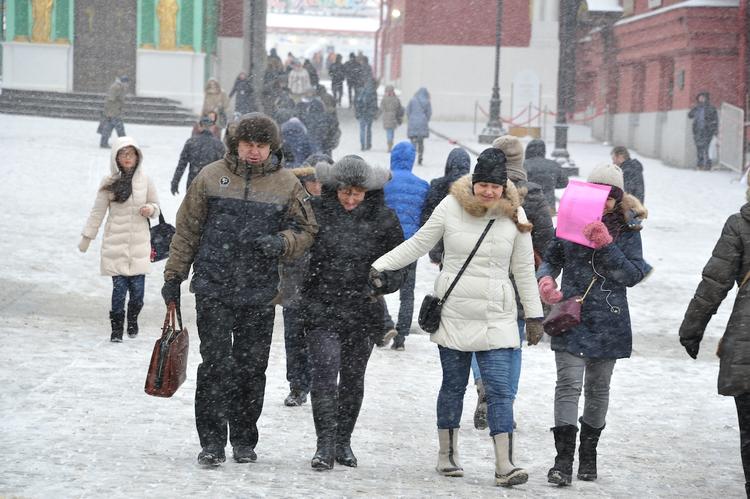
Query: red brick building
x,y
647,68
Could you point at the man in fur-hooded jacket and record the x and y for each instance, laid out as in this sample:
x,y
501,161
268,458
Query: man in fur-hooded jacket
x,y
240,215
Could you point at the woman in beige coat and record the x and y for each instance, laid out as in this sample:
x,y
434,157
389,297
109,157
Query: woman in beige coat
x,y
480,314
392,112
215,100
128,198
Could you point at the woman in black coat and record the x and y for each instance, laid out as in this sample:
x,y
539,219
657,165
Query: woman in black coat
x,y
729,265
342,314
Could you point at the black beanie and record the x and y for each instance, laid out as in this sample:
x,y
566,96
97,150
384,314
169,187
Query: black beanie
x,y
490,167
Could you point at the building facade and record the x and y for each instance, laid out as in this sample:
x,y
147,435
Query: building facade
x,y
641,74
421,44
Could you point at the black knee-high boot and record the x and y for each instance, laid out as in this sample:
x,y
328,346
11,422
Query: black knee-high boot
x,y
133,311
565,444
117,320
324,409
587,451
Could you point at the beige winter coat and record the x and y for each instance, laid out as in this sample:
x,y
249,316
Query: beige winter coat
x,y
126,248
480,313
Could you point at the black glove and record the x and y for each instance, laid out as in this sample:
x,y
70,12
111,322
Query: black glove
x,y
272,245
171,291
691,347
174,188
377,282
534,331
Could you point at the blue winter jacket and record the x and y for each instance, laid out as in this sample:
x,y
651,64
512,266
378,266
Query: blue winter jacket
x,y
604,331
419,112
406,193
296,146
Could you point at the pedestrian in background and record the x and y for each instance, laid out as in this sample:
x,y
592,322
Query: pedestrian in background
x,y
405,194
112,115
299,81
365,110
705,127
245,101
392,113
314,78
215,100
419,112
632,172
197,152
729,265
478,316
337,73
585,354
544,172
127,196
354,78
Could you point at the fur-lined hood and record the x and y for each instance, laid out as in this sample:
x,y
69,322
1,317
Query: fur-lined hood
x,y
631,206
303,171
507,205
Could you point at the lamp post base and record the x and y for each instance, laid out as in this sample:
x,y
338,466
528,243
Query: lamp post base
x,y
490,133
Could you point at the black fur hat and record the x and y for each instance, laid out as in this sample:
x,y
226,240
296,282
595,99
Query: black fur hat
x,y
253,127
351,171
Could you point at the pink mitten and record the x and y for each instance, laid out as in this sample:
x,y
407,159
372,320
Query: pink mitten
x,y
548,290
597,233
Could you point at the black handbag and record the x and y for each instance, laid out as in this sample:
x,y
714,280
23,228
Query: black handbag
x,y
432,306
161,238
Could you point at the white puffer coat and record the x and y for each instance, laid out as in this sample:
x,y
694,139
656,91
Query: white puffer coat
x,y
126,248
480,313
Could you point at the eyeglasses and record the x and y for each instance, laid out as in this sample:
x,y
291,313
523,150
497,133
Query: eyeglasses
x,y
127,154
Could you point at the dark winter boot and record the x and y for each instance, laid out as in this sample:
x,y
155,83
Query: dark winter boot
x,y
480,413
344,455
448,464
324,416
133,311
587,451
506,473
117,319
295,398
211,456
398,343
565,444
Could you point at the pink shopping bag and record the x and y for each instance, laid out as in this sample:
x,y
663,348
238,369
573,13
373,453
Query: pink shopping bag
x,y
581,204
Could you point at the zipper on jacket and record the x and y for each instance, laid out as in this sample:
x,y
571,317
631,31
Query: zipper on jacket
x,y
248,172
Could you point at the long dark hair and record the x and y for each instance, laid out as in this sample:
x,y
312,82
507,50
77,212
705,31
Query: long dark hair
x,y
122,186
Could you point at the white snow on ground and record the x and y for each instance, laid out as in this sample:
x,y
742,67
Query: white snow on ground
x,y
75,422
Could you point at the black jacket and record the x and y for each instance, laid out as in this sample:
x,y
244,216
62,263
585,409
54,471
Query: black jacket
x,y
336,287
197,152
729,265
705,129
245,96
632,173
546,173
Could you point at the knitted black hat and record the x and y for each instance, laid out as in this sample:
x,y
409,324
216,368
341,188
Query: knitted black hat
x,y
490,167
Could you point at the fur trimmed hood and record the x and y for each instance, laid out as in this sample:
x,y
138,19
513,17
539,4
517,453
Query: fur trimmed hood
x,y
352,171
303,171
507,205
631,205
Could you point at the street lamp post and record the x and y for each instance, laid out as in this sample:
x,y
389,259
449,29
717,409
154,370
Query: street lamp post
x,y
494,127
565,79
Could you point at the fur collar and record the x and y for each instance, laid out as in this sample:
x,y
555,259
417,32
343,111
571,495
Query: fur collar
x,y
630,203
506,206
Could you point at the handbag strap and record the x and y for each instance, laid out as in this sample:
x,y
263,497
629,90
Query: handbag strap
x,y
745,280
591,284
466,263
171,320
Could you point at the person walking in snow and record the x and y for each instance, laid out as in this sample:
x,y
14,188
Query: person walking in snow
x,y
392,113
292,274
419,112
112,115
632,172
127,196
215,100
728,265
241,215
585,355
299,81
705,127
365,110
197,152
342,314
245,101
405,194
546,173
480,314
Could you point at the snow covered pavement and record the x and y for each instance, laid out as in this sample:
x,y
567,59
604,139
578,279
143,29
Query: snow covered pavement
x,y
75,422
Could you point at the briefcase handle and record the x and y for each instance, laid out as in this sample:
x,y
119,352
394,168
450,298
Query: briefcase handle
x,y
171,320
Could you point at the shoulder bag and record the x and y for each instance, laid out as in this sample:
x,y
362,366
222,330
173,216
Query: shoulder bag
x,y
432,306
161,238
566,314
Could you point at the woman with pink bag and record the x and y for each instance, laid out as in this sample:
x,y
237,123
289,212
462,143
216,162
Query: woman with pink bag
x,y
590,349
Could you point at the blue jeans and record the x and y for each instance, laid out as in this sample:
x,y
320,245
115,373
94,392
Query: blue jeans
x,y
365,133
389,132
515,368
495,366
122,285
406,299
107,125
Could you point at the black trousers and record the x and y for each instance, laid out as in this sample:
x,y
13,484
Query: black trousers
x,y
235,343
743,416
338,358
297,358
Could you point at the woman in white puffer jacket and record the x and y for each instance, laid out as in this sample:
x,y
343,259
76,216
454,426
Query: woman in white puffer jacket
x,y
480,313
130,198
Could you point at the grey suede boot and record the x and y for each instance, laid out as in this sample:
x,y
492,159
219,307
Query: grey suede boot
x,y
506,473
448,464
